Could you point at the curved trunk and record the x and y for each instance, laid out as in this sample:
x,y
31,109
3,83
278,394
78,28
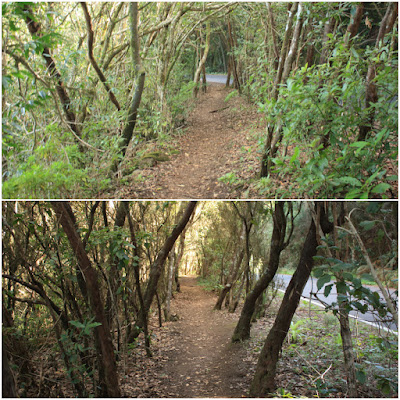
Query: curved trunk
x,y
264,378
242,330
202,61
141,75
102,332
231,279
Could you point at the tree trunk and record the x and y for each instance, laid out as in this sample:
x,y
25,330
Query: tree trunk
x,y
35,29
294,44
114,279
235,300
202,60
228,75
136,271
328,29
93,61
264,378
102,333
347,345
275,91
231,279
371,88
273,34
286,71
234,67
130,124
8,381
242,330
352,28
171,276
158,266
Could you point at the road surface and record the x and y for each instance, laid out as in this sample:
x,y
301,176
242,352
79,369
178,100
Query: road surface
x,y
311,287
220,78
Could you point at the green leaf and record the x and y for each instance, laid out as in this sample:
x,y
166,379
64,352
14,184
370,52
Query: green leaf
x,y
380,188
77,324
323,280
348,180
295,155
353,194
328,289
367,225
354,52
230,95
361,376
341,287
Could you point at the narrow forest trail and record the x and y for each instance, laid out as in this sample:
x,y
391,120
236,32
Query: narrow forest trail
x,y
193,355
204,363
217,141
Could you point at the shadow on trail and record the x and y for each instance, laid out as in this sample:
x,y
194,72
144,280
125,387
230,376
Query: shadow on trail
x,y
204,363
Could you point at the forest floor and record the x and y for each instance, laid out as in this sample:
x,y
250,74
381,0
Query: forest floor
x,y
193,355
220,139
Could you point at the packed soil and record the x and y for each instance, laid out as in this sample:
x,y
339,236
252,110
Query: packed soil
x,y
217,141
194,356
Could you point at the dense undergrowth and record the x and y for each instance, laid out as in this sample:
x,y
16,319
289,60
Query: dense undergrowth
x,y
312,355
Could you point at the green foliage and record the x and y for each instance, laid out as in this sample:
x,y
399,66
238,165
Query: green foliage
x,y
284,394
320,111
229,178
295,328
209,283
232,94
59,179
85,328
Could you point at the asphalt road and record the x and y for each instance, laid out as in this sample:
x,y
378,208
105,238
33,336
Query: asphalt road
x,y
221,78
311,287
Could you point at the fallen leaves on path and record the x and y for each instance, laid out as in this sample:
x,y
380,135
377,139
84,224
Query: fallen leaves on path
x,y
215,143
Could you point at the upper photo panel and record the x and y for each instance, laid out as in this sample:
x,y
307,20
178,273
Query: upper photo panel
x,y
200,100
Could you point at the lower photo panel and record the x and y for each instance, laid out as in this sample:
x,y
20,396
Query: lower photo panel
x,y
200,299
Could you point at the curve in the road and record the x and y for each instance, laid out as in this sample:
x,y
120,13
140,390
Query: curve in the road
x,y
369,317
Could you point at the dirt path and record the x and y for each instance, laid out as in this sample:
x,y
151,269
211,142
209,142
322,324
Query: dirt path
x,y
217,141
204,362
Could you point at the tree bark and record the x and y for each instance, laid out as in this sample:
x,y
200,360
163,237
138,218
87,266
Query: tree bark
x,y
102,333
234,68
158,266
171,277
294,44
202,60
264,378
327,30
352,28
35,29
130,124
242,330
136,271
273,34
275,90
371,96
231,279
8,381
93,61
286,71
